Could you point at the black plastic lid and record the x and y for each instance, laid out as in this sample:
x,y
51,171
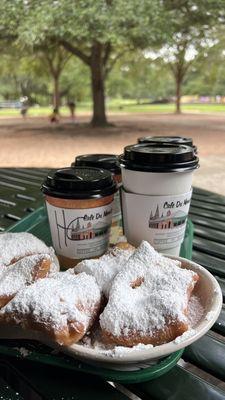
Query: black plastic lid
x,y
167,140
105,161
79,183
159,158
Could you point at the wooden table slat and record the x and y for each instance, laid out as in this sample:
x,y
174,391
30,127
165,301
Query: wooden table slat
x,y
219,326
57,384
213,215
205,222
21,174
209,200
214,264
208,206
210,234
208,353
209,247
178,384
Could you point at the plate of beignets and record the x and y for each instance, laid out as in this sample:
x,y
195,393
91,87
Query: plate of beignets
x,y
129,306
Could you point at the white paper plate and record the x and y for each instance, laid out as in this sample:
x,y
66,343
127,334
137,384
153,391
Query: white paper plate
x,y
210,295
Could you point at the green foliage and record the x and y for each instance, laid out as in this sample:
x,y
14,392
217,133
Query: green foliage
x,y
21,77
119,24
207,74
84,20
75,81
136,76
145,39
29,76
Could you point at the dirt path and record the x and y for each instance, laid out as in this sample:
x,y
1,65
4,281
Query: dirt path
x,y
36,143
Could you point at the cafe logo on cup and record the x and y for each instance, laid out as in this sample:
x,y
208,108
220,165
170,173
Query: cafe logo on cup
x,y
167,219
82,227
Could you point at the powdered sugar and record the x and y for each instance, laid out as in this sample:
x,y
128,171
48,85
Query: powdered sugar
x,y
186,335
145,254
55,300
23,351
209,315
121,351
93,339
17,245
105,268
20,274
195,311
161,292
195,314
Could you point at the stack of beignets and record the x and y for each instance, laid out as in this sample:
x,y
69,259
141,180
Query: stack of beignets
x,y
145,295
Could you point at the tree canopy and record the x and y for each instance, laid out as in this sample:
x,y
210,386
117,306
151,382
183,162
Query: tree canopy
x,y
96,31
131,49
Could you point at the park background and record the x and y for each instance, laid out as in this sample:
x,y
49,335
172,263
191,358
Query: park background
x,y
134,69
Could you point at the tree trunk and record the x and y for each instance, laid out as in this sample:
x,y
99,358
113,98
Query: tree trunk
x,y
178,95
56,94
98,86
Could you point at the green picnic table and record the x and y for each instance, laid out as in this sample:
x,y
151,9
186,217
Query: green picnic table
x,y
201,371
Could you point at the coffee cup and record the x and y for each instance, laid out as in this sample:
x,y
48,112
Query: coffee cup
x,y
111,163
79,204
156,193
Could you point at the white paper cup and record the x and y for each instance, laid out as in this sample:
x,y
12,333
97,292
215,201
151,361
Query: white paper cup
x,y
155,183
156,194
79,203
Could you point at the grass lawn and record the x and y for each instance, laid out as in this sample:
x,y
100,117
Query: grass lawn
x,y
121,106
